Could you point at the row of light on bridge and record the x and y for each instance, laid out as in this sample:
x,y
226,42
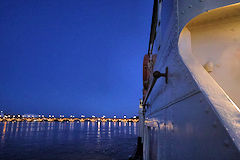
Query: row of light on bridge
x,y
51,116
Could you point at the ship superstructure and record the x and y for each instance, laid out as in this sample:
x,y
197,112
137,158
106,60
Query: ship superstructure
x,y
191,82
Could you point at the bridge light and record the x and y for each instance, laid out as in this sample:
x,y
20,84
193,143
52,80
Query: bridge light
x,y
53,116
13,116
82,116
93,116
114,116
49,115
42,115
103,116
39,115
18,115
134,117
124,116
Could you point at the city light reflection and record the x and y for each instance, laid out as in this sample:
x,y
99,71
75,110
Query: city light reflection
x,y
27,128
71,125
135,128
88,127
11,129
17,128
130,128
109,129
3,132
34,130
119,128
98,131
93,125
81,125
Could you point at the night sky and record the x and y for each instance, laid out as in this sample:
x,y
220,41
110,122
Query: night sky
x,y
73,56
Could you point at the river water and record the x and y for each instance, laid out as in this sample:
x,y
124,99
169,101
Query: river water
x,y
67,140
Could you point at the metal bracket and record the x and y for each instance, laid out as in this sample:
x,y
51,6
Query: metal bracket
x,y
158,74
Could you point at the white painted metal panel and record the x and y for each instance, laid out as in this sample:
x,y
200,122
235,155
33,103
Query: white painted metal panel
x,y
191,116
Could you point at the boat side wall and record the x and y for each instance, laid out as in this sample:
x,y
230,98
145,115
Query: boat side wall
x,y
184,120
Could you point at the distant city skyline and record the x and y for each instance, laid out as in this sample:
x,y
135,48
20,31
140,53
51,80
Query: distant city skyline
x,y
73,57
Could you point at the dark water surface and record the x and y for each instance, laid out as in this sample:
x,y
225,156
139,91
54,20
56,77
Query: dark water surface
x,y
67,140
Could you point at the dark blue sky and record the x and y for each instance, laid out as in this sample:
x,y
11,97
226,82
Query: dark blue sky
x,y
73,56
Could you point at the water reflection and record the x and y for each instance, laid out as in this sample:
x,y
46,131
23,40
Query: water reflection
x,y
103,124
135,128
93,126
11,129
17,128
38,126
109,129
114,131
98,131
88,128
27,136
81,125
119,127
71,125
125,128
3,132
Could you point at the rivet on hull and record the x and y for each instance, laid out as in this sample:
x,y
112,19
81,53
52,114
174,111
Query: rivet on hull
x,y
214,124
206,111
226,143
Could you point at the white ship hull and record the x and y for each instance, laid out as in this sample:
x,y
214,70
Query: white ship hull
x,y
196,114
